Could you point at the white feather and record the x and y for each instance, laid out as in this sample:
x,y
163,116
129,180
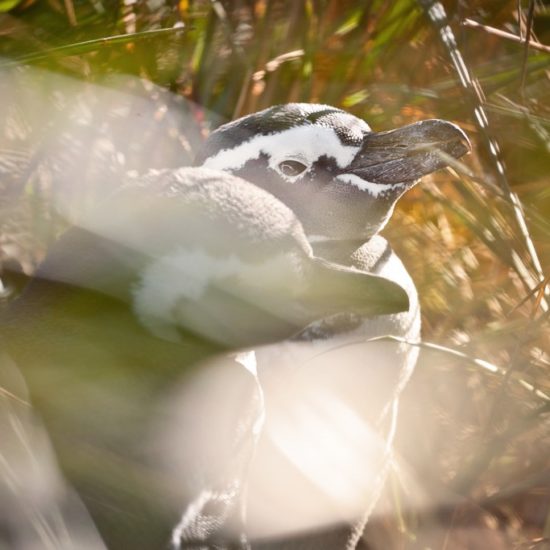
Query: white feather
x,y
303,143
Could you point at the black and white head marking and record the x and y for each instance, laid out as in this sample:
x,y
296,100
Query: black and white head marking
x,y
341,178
292,137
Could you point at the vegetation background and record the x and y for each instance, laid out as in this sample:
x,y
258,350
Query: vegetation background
x,y
476,238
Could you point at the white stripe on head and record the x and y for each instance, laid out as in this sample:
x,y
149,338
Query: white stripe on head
x,y
374,189
304,143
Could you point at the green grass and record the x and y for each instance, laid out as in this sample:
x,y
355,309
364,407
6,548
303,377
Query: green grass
x,y
476,241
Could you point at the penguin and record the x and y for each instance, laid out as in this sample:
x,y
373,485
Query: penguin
x,y
172,269
342,180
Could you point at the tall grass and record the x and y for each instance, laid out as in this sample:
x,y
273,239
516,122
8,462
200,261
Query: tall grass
x,y
476,238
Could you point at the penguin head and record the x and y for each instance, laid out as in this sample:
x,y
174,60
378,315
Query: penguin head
x,y
340,178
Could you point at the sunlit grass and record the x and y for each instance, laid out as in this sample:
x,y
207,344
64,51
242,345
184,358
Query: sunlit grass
x,y
461,235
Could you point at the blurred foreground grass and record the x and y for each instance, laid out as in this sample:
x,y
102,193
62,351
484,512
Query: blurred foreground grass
x,y
479,257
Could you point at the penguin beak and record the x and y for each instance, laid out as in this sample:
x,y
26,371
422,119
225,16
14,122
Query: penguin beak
x,y
408,153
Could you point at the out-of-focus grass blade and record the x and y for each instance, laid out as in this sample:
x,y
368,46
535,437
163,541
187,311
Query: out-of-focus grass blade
x,y
485,365
7,5
87,46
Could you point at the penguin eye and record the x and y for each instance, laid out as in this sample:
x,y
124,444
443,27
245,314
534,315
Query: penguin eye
x,y
291,168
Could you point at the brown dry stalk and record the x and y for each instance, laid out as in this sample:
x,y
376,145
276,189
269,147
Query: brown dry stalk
x,y
509,36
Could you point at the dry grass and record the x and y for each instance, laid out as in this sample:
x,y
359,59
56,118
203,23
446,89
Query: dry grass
x,y
475,239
